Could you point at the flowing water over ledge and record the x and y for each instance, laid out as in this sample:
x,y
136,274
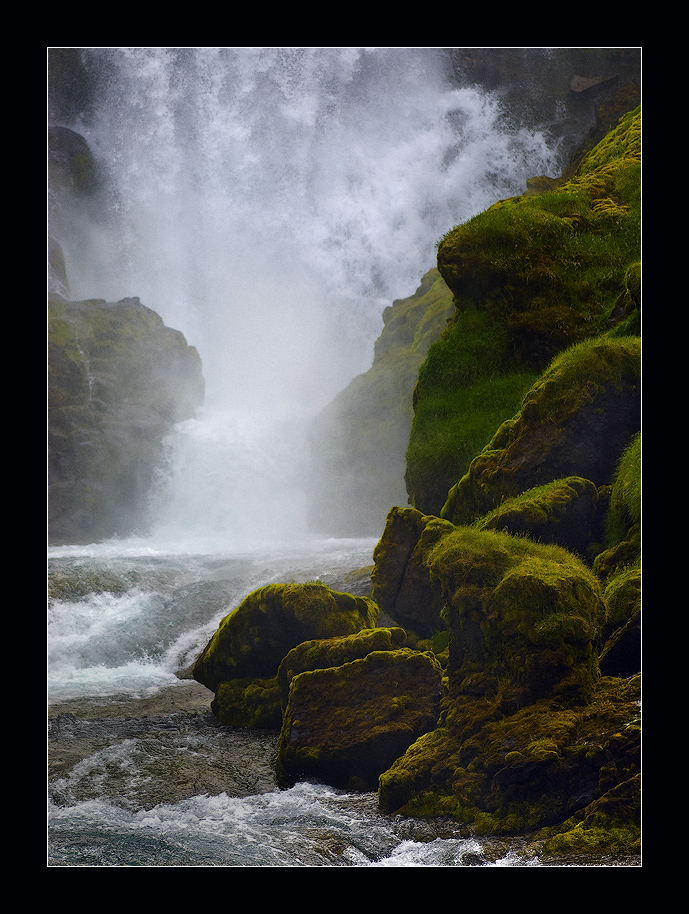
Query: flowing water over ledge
x,y
141,774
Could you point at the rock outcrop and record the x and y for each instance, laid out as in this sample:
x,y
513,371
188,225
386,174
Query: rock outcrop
x,y
531,277
576,420
118,380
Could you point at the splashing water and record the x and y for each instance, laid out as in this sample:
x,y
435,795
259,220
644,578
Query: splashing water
x,y
270,203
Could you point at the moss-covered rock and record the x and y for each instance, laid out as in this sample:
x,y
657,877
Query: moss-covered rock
x,y
524,618
549,268
466,388
531,276
402,587
541,767
609,826
249,703
322,654
623,518
252,640
577,420
346,725
567,512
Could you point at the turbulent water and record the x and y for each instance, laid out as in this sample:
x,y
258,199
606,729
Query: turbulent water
x,y
269,203
140,772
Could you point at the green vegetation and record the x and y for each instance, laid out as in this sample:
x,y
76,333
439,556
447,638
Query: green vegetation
x,y
462,395
531,276
625,498
575,421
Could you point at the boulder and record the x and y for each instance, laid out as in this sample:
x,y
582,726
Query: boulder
x,y
567,512
531,276
577,420
570,772
252,640
346,725
322,654
401,585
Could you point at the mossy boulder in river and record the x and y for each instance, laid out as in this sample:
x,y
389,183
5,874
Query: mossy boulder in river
x,y
259,703
571,772
346,725
523,617
530,735
252,640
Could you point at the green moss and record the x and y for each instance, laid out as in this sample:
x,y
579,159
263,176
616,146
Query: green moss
x,y
609,826
252,640
355,719
625,499
249,703
520,772
324,653
548,269
523,617
565,512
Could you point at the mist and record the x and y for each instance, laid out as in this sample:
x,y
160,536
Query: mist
x,y
270,203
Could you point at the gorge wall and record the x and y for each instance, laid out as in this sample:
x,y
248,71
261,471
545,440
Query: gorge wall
x,y
118,381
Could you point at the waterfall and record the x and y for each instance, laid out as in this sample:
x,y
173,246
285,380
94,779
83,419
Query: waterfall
x,y
270,203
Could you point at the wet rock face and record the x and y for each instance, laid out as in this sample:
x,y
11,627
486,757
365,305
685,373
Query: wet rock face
x,y
119,379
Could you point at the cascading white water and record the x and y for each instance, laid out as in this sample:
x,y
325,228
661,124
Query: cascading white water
x,y
270,203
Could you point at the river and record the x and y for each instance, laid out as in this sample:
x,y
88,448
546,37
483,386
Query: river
x,y
140,772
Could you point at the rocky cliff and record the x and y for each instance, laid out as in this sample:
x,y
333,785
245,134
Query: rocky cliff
x,y
118,380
